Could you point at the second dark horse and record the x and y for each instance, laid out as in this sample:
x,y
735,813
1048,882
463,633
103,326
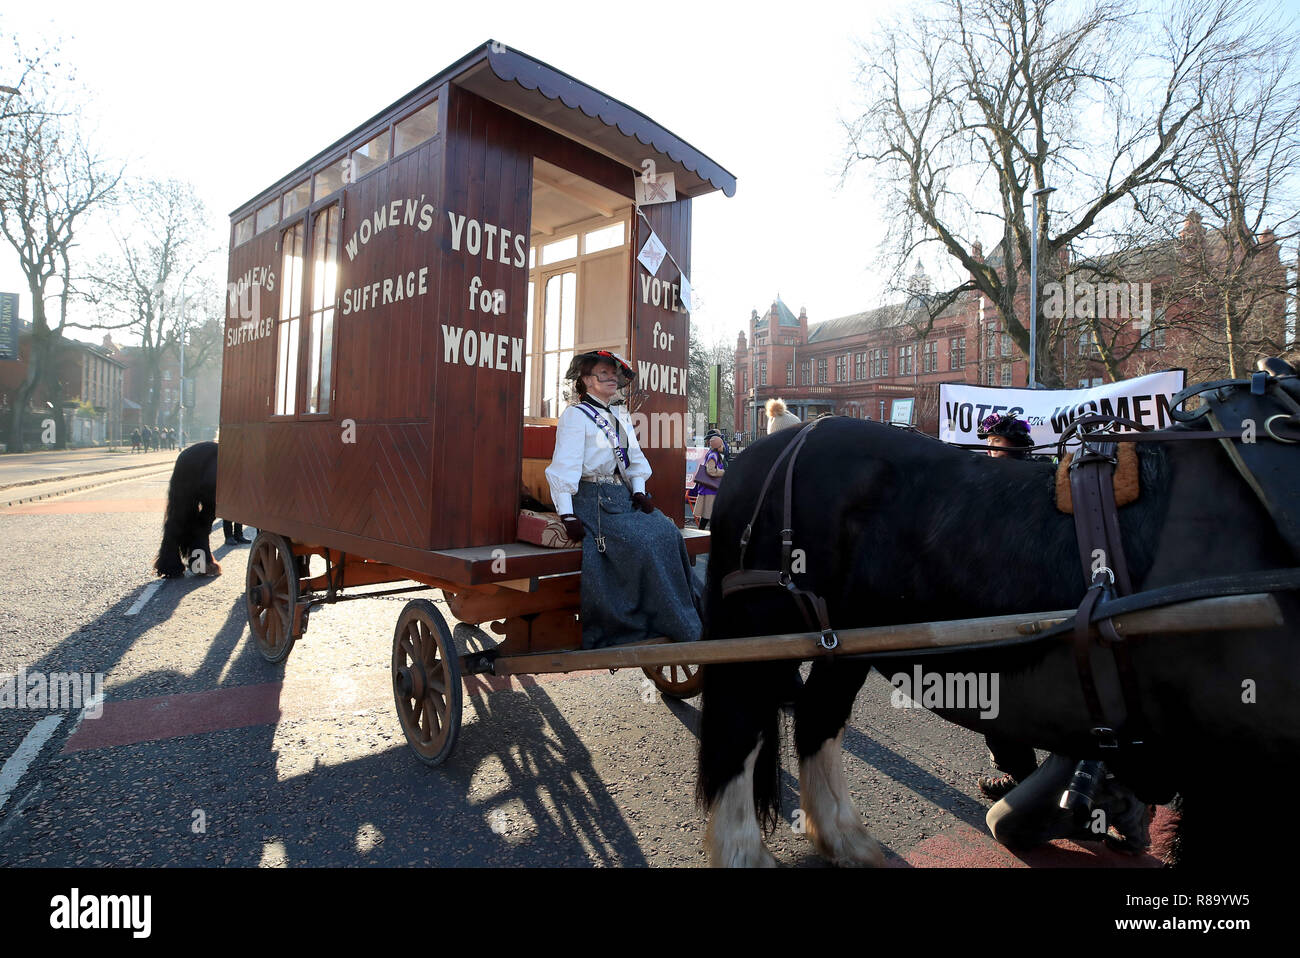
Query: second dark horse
x,y
191,509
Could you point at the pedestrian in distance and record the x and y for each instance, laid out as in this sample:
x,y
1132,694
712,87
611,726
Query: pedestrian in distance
x,y
779,417
714,465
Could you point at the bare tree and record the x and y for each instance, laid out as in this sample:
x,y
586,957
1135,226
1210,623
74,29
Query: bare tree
x,y
1230,282
975,104
50,179
163,250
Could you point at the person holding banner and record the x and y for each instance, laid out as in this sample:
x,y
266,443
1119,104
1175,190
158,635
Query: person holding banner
x,y
636,576
1008,437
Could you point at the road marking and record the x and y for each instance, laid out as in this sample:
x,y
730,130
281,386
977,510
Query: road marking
x,y
145,596
22,758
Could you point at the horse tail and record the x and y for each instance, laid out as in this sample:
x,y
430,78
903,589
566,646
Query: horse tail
x,y
739,710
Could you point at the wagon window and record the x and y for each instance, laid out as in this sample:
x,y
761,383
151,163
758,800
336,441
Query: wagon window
x,y
603,239
566,248
268,215
297,198
324,293
331,179
416,128
244,230
286,357
370,157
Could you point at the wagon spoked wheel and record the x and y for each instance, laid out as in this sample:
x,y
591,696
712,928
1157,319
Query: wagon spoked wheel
x,y
426,682
270,595
675,681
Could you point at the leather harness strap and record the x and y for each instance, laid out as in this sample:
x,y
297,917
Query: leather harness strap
x,y
1105,569
810,604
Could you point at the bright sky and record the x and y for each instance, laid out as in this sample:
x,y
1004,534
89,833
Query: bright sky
x,y
232,96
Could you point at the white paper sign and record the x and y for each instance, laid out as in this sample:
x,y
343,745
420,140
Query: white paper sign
x,y
657,188
684,294
652,253
1145,399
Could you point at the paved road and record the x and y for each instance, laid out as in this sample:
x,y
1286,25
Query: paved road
x,y
30,467
206,755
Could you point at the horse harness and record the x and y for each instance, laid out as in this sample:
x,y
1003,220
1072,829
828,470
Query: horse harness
x,y
1096,517
812,605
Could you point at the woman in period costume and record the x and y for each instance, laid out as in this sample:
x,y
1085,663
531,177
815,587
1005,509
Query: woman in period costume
x,y
1008,437
636,576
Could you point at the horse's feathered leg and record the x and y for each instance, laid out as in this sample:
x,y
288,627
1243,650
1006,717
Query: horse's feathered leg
x,y
739,763
821,712
732,838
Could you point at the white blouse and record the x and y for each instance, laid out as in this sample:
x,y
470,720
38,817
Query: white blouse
x,y
582,451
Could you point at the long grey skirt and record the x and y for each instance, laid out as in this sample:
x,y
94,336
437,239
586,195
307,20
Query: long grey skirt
x,y
641,586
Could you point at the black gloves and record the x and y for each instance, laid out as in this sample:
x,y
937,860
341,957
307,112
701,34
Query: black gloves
x,y
572,526
643,501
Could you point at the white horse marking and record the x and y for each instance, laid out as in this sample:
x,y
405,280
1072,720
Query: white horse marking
x,y
836,830
733,838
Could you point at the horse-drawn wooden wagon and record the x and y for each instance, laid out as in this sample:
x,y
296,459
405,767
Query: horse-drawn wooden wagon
x,y
402,307
401,310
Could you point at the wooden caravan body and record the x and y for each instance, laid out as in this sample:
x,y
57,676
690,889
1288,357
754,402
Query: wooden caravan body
x,y
399,304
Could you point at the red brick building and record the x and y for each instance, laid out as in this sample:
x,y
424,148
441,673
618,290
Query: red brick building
x,y
862,365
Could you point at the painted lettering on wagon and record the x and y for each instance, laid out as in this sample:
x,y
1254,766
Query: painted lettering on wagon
x,y
248,331
477,347
658,292
661,378
490,240
390,289
244,294
406,212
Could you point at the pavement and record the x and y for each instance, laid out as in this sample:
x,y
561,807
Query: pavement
x,y
29,468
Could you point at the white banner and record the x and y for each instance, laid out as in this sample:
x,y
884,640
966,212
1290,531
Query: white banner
x,y
1145,399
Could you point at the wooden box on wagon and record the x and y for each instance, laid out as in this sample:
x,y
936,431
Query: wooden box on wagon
x,y
403,305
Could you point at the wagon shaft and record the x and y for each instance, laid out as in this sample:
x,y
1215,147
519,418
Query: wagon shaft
x,y
1258,611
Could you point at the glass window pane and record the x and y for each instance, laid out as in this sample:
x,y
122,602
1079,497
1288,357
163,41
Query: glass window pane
x,y
268,215
370,157
549,382
566,248
416,128
296,199
603,239
569,310
551,335
331,179
244,230
532,256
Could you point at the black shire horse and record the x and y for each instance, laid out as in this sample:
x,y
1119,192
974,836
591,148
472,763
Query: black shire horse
x,y
898,527
191,508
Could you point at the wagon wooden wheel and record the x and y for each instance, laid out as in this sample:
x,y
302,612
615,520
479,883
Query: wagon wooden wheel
x,y
675,681
426,682
271,593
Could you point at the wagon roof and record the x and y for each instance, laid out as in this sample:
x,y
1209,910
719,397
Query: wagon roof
x,y
532,88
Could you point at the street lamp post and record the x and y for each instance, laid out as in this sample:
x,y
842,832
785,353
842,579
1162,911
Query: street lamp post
x,y
1033,291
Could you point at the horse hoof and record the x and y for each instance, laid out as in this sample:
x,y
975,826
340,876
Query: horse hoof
x,y
743,850
747,856
214,569
851,846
